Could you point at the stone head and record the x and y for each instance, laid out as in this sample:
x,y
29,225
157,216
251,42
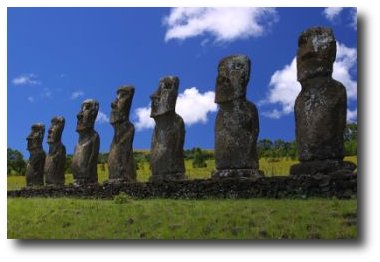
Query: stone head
x,y
316,53
56,129
232,79
36,136
87,115
165,97
122,104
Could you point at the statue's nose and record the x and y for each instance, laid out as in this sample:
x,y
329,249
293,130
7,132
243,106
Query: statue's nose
x,y
79,116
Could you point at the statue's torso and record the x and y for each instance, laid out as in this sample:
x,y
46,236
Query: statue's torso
x,y
236,131
55,165
121,163
167,146
84,164
35,168
320,112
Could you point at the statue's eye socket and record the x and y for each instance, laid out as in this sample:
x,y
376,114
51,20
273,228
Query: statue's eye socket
x,y
86,107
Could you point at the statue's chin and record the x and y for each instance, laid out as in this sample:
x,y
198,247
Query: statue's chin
x,y
116,118
115,121
33,148
81,129
158,114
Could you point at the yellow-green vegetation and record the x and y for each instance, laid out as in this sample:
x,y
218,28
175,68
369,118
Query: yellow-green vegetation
x,y
271,167
124,218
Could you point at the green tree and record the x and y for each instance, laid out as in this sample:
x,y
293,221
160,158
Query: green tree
x,y
199,158
351,148
69,160
351,132
293,152
102,158
264,147
15,162
350,139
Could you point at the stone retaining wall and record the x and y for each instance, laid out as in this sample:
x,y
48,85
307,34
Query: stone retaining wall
x,y
339,186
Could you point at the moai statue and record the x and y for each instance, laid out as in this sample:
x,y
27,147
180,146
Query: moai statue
x,y
121,164
55,160
35,168
320,108
85,159
237,121
167,159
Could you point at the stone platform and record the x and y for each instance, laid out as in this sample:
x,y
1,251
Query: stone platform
x,y
343,186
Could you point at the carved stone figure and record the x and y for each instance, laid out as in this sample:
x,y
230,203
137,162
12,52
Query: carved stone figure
x,y
84,164
55,160
167,159
35,167
237,121
321,106
121,164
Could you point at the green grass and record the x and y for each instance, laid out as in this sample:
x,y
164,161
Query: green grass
x,y
280,168
66,218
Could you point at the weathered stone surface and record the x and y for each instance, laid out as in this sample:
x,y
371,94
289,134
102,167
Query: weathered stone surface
x,y
35,167
321,107
84,164
323,167
121,164
340,186
237,121
167,158
55,160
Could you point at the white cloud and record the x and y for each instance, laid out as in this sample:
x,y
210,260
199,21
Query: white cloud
x,y
284,87
144,121
354,18
26,79
102,118
352,115
194,106
283,90
31,99
330,13
333,13
76,94
224,24
274,114
346,60
191,105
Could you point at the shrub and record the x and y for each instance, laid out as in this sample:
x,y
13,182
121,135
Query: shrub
x,y
122,198
199,159
16,165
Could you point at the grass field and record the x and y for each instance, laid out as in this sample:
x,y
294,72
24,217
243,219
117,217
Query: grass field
x,y
181,219
124,218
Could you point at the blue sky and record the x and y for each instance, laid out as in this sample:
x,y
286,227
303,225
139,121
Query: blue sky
x,y
58,57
